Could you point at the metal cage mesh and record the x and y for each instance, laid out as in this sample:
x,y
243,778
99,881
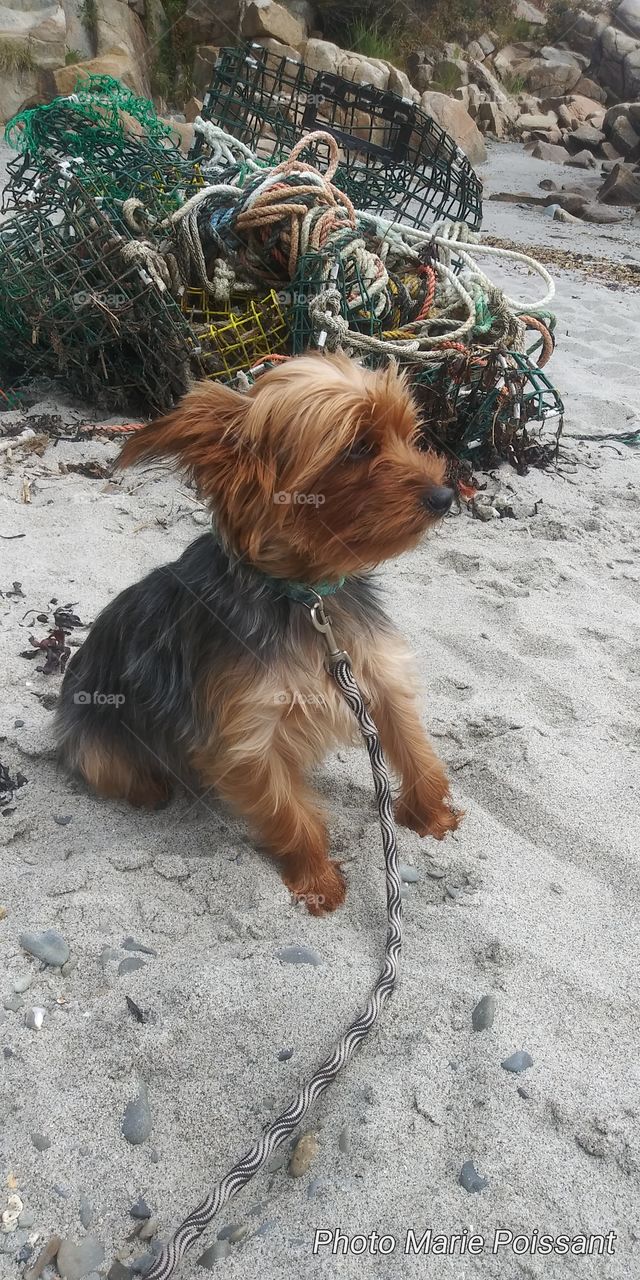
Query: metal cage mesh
x,y
396,160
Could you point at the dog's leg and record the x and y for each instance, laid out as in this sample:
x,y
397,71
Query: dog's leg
x,y
274,799
423,803
113,774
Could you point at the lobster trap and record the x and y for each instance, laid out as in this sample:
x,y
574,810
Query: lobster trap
x,y
479,407
112,141
395,161
234,338
77,303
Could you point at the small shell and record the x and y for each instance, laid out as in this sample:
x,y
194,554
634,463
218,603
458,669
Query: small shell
x,y
304,1153
11,1214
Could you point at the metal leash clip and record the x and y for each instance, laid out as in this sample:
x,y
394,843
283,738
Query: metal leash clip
x,y
323,624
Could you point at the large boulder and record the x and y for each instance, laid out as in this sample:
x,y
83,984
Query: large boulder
x,y
615,46
622,130
118,65
627,15
585,137
621,186
457,122
353,66
321,55
265,18
555,71
632,73
209,23
78,36
400,83
33,37
587,88
204,63
119,30
33,40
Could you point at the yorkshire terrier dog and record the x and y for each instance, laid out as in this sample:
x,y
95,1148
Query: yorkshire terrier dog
x,y
210,667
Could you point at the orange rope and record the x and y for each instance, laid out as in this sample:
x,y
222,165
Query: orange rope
x,y
532,322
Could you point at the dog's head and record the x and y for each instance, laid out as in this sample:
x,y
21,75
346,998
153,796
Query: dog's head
x,y
312,475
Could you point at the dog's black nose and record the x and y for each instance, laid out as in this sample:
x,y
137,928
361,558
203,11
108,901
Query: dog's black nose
x,y
438,499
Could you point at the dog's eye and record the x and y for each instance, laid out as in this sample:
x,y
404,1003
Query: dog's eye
x,y
361,448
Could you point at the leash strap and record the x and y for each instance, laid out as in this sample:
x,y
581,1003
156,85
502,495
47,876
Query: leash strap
x,y
189,1231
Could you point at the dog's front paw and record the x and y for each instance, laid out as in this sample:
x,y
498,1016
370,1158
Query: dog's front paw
x,y
321,889
433,821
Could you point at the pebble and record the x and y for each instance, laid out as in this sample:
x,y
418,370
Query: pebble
x,y
22,983
130,944
470,1179
130,964
8,1052
27,1218
234,1232
18,724
86,1212
34,1018
118,1271
484,1013
284,1055
40,1142
435,870
74,1261
137,1121
299,955
304,1153
107,954
140,1209
519,1061
523,1093
215,1253
49,946
408,874
45,1256
148,1229
13,1003
344,1140
69,966
9,1218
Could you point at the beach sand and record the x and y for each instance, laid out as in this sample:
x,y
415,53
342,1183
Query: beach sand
x,y
526,633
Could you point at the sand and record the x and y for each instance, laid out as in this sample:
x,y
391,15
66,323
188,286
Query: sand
x,y
526,633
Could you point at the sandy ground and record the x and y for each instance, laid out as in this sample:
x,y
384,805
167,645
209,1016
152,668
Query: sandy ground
x,y
526,633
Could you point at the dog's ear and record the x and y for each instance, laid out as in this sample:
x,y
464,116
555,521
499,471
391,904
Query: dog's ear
x,y
193,433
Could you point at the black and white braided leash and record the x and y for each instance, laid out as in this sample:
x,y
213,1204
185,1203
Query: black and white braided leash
x,y
189,1231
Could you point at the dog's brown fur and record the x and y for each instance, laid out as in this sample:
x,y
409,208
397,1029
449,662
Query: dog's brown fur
x,y
347,435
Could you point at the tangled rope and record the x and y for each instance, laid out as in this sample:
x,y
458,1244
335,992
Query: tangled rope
x,y
189,1231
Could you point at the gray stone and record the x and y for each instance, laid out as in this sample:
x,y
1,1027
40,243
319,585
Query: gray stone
x,y
74,1261
585,136
137,1120
628,16
619,130
621,187
27,1218
130,944
215,1253
517,1062
40,1141
130,964
483,1014
546,151
13,1002
470,1179
299,955
264,18
34,1018
601,214
140,1209
408,874
582,160
22,983
85,1212
49,947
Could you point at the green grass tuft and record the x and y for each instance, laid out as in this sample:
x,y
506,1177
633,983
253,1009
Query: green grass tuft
x,y
15,56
